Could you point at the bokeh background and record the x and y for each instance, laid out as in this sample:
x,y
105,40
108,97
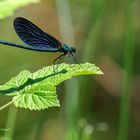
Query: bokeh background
x,y
106,33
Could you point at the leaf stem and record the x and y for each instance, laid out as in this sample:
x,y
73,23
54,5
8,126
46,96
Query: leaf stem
x,y
6,105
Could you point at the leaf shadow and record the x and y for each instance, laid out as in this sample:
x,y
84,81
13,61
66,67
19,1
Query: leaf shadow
x,y
30,82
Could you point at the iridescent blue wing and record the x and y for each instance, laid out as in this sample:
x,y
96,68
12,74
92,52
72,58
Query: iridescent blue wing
x,y
35,37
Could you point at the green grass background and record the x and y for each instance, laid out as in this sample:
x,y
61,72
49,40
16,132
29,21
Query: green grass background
x,y
106,107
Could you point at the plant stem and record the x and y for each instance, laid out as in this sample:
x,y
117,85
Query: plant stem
x,y
94,30
127,77
91,45
6,105
11,122
72,86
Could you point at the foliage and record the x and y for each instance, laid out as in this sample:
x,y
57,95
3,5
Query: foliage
x,y
37,90
7,7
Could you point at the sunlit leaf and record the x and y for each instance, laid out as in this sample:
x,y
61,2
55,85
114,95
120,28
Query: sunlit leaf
x,y
37,90
7,7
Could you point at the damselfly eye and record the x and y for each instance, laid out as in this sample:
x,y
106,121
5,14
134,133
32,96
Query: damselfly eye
x,y
73,49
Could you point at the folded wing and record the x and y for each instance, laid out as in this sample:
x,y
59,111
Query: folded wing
x,y
35,37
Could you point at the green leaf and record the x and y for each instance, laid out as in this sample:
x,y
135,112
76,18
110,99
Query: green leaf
x,y
3,131
15,84
37,97
7,7
36,91
64,72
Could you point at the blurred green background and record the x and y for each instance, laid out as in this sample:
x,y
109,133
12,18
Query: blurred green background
x,y
106,33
